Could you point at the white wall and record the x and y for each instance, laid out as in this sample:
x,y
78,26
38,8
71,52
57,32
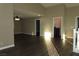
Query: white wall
x,y
47,20
68,14
28,26
6,25
18,26
71,14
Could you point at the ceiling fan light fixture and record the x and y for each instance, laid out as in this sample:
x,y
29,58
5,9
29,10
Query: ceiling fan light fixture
x,y
17,18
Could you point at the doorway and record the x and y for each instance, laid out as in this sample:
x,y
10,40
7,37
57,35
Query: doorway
x,y
58,27
37,27
77,22
57,33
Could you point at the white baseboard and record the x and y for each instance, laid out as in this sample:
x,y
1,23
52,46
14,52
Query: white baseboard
x,y
32,34
28,33
18,33
75,50
5,47
25,33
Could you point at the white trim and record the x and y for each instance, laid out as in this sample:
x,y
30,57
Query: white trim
x,y
31,34
62,27
18,33
5,47
75,49
35,26
28,33
25,33
52,34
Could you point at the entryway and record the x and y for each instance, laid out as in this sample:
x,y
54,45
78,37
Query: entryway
x,y
57,27
37,27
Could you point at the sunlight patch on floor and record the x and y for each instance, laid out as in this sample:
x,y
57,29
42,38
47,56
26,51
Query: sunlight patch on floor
x,y
50,47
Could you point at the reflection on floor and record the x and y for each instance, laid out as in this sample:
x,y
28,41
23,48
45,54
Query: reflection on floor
x,y
50,47
27,45
64,49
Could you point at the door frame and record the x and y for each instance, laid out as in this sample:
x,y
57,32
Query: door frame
x,y
75,49
76,22
35,26
62,27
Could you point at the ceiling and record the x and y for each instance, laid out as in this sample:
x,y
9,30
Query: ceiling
x,y
54,4
49,4
24,13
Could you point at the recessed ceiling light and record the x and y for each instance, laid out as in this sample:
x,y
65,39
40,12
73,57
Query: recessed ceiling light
x,y
39,15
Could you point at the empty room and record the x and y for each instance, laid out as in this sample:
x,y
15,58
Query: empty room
x,y
39,29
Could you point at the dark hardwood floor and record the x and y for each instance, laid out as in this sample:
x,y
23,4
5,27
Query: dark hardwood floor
x,y
27,45
63,48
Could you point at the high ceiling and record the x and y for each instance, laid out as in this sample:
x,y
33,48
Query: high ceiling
x,y
54,4
27,13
